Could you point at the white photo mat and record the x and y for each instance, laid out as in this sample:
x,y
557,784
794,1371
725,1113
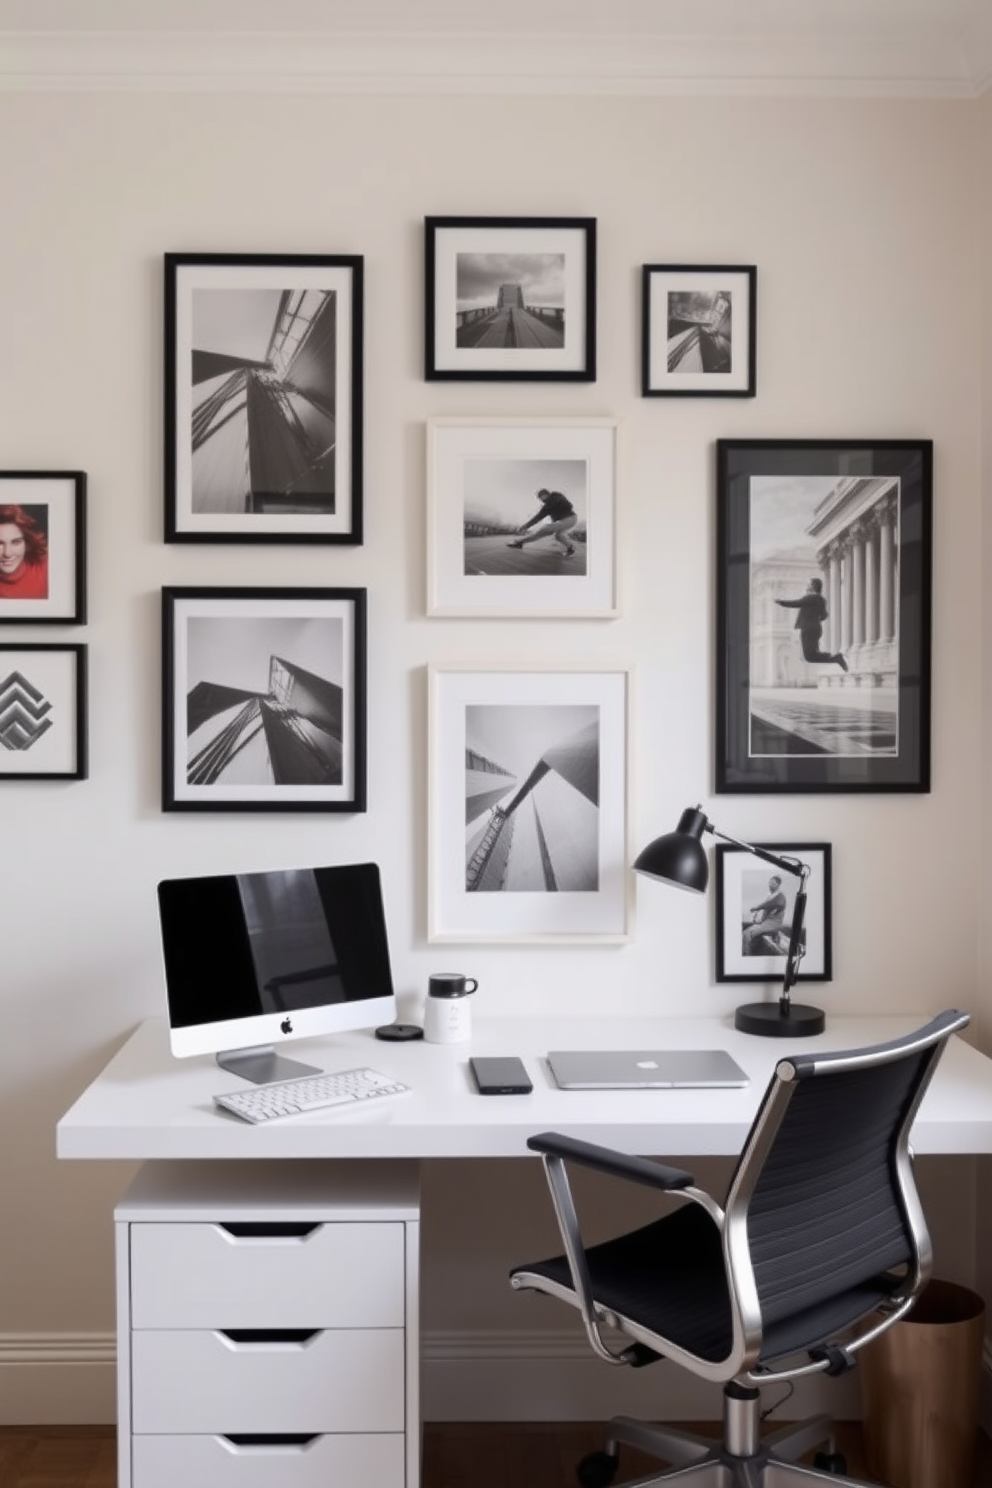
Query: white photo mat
x,y
547,751
496,466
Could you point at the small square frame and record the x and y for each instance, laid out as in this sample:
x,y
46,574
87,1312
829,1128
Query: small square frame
x,y
483,480
698,330
48,507
43,712
263,398
551,745
741,878
263,699
480,325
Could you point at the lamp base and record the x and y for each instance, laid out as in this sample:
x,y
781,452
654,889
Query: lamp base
x,y
782,1019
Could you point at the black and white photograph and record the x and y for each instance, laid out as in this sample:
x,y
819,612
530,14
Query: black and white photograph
x,y
528,795
43,725
698,335
510,298
263,393
42,547
824,616
755,904
522,517
264,699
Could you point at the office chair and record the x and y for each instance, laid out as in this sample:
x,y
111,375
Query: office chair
x,y
820,1245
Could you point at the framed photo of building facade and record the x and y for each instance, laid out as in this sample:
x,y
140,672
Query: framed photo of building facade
x,y
528,806
698,331
42,547
823,615
510,299
263,699
263,398
522,517
754,908
43,712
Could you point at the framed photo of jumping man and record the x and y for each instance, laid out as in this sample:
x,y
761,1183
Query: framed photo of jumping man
x,y
823,615
754,908
510,299
522,517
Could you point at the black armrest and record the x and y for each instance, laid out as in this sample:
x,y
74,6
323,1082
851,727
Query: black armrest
x,y
606,1160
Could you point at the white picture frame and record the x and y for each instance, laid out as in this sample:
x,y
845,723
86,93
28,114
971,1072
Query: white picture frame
x,y
488,480
528,805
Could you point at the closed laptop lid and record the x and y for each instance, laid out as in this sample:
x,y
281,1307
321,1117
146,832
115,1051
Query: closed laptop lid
x,y
644,1069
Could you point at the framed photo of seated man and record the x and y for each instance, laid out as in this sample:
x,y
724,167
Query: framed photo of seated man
x,y
754,908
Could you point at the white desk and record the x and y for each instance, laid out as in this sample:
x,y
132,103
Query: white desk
x,y
146,1104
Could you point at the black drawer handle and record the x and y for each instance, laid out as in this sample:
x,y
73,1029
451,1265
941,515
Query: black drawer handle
x,y
286,1229
270,1335
270,1438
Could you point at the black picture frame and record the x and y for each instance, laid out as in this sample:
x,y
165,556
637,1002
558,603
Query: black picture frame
x,y
742,952
48,584
264,398
857,517
699,330
43,712
550,339
263,699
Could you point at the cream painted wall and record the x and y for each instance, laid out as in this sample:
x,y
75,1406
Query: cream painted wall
x,y
864,220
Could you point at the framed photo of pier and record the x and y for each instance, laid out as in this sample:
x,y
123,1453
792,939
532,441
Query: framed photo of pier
x,y
698,331
263,702
527,805
754,908
522,517
263,398
43,712
823,615
510,299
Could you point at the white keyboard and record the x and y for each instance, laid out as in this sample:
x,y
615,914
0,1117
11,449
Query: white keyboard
x,y
315,1093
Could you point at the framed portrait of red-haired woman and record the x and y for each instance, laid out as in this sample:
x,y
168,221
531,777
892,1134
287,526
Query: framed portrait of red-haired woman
x,y
42,547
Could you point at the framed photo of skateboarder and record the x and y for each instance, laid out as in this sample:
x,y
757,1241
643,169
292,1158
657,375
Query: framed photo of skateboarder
x,y
522,517
823,615
510,299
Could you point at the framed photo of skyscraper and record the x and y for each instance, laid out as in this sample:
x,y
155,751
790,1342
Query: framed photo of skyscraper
x,y
510,299
263,398
698,331
527,805
263,699
823,615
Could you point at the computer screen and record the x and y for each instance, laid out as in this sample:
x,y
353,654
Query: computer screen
x,y
255,959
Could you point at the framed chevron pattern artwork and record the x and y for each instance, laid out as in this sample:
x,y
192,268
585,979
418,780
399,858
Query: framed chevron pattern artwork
x,y
43,712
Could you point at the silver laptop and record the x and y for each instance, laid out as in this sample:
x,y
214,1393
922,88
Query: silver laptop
x,y
644,1069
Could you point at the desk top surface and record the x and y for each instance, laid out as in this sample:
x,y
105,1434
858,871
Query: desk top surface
x,y
146,1104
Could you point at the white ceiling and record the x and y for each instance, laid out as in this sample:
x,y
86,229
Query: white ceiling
x,y
876,48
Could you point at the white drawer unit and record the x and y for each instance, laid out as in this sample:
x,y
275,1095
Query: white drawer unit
x,y
267,1325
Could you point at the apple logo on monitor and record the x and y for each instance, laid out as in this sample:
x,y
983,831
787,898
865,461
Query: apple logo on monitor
x,y
286,1026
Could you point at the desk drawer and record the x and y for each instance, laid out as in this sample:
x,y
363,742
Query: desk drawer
x,y
212,1276
216,1462
200,1383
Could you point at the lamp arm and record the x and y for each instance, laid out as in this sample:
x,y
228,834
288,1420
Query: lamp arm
x,y
788,865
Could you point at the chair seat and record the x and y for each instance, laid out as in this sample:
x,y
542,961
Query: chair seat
x,y
670,1278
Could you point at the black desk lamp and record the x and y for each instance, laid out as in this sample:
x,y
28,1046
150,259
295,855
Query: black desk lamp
x,y
679,858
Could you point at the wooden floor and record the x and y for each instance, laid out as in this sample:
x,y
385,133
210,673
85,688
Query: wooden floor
x,y
455,1456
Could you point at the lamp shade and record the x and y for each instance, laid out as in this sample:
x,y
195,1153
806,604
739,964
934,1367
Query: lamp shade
x,y
678,857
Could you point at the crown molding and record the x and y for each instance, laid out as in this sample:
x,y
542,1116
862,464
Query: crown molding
x,y
912,65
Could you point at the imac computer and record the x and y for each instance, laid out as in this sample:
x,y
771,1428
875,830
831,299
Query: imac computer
x,y
255,959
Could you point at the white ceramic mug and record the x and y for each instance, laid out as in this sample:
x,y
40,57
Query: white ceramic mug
x,y
447,1012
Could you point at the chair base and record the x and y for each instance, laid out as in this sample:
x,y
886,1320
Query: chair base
x,y
740,1460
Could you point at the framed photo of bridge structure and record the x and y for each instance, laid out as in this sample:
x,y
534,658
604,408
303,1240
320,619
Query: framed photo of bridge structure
x,y
527,808
522,517
510,299
823,615
698,337
264,701
263,398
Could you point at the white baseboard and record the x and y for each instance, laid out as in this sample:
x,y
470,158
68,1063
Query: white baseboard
x,y
50,1380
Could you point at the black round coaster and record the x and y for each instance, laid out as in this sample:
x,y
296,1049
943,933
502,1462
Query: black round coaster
x,y
399,1033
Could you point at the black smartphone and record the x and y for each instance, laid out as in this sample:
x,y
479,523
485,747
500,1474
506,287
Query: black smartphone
x,y
500,1076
